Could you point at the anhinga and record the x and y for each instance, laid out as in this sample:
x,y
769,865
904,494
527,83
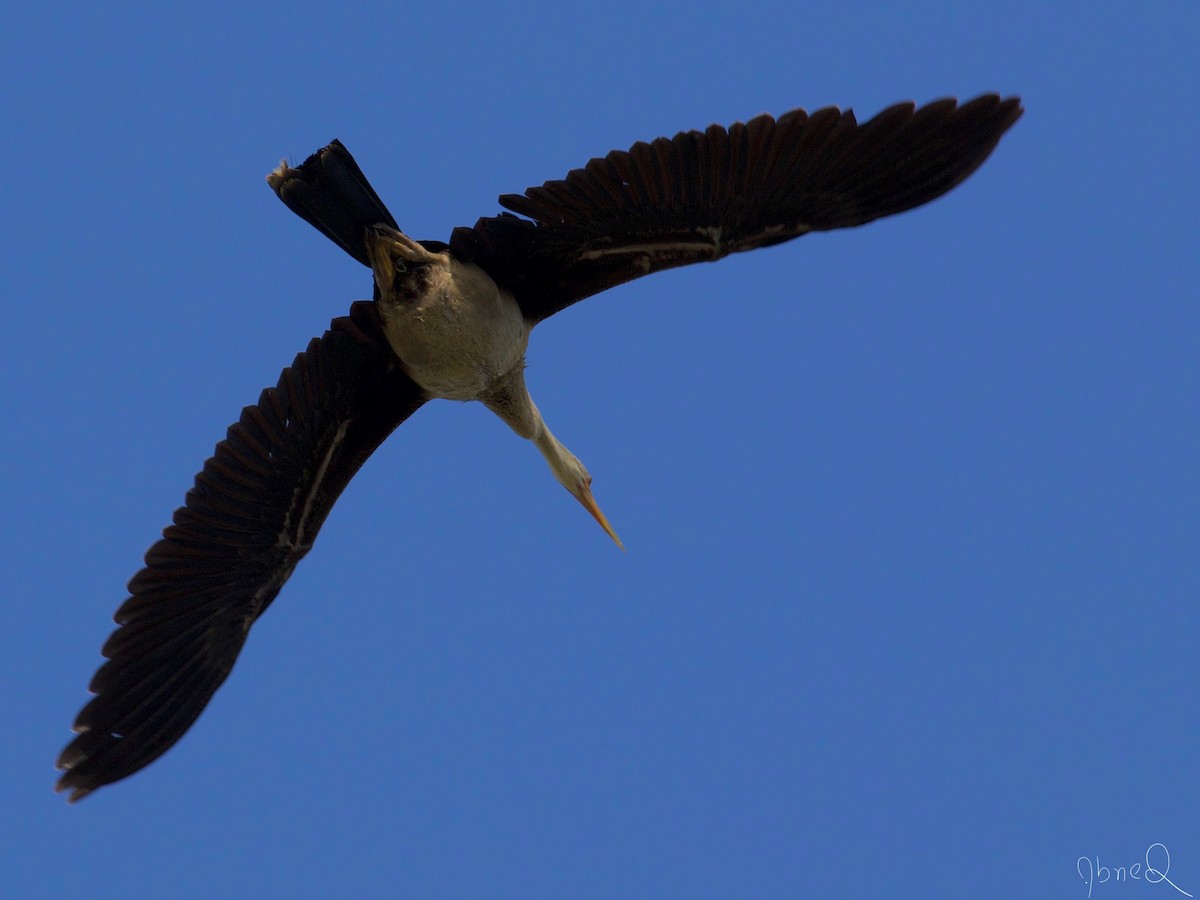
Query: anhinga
x,y
452,321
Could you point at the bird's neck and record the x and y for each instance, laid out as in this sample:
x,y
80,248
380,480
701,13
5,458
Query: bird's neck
x,y
510,401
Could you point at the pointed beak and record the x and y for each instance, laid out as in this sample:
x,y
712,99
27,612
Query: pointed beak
x,y
589,503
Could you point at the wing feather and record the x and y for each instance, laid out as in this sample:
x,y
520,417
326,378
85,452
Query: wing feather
x,y
703,195
252,514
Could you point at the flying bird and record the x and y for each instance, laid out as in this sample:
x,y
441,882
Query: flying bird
x,y
452,321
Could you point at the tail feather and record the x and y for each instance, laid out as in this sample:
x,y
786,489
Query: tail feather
x,y
330,192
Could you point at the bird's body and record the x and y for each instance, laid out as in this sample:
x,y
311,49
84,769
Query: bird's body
x,y
459,336
452,321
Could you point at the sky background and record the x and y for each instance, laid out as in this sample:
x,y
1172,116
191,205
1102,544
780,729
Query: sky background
x,y
909,603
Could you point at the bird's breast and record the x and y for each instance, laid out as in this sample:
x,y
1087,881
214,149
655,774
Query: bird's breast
x,y
458,338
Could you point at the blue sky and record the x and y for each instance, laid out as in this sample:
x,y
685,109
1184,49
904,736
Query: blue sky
x,y
909,602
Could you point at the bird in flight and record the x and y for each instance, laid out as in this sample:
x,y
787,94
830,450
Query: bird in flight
x,y
452,321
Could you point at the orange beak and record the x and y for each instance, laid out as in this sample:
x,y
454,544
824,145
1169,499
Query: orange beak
x,y
589,503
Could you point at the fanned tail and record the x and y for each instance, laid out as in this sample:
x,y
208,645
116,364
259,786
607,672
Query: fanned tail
x,y
329,191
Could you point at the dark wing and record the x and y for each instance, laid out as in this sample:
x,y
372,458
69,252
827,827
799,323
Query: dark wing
x,y
703,195
252,515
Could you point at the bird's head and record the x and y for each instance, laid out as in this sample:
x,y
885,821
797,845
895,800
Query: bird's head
x,y
572,475
403,267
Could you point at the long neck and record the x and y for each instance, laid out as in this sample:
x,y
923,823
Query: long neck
x,y
510,401
561,460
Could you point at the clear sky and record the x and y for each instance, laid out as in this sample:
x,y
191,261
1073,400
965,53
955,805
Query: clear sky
x,y
909,606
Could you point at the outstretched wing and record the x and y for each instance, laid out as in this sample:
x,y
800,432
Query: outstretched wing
x,y
252,515
703,195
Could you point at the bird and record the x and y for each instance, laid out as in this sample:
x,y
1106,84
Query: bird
x,y
452,321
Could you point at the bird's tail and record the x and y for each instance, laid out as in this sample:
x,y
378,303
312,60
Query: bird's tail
x,y
330,192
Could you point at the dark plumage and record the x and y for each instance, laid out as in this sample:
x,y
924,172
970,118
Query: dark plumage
x,y
258,503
